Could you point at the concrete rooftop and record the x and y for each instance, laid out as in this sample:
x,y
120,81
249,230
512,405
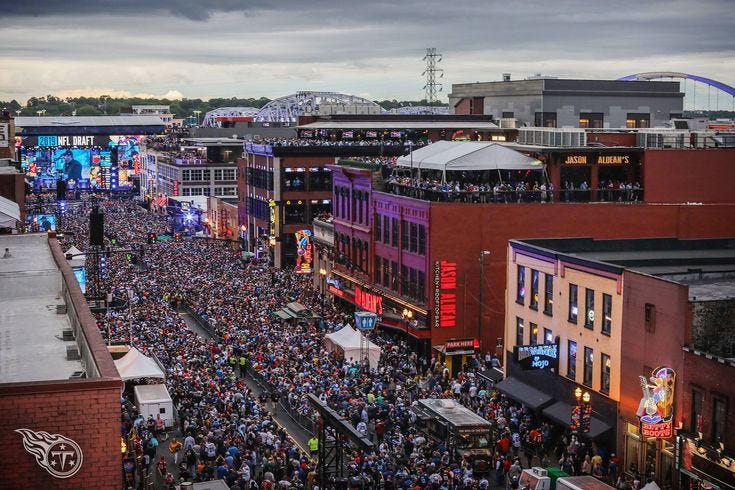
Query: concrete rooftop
x,y
31,348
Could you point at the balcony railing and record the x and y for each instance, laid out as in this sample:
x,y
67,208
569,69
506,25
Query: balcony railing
x,y
515,196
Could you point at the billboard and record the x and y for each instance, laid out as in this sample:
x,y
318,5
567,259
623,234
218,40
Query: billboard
x,y
304,252
38,223
93,163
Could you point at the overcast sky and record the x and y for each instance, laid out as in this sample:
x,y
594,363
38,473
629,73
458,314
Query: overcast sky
x,y
253,48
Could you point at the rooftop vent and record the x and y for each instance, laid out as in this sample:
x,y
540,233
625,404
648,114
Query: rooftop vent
x,y
67,334
72,353
61,309
78,375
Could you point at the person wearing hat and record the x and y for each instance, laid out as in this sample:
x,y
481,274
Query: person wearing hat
x,y
72,167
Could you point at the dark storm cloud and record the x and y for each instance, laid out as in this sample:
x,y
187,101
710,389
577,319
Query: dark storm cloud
x,y
190,9
219,45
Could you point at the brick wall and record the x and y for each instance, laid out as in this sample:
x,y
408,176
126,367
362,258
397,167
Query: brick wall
x,y
86,411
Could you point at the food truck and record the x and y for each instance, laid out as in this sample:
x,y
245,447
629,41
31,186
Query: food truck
x,y
466,434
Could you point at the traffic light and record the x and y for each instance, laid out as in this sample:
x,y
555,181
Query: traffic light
x,y
152,238
177,237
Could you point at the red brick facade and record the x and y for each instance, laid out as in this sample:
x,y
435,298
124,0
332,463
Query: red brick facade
x,y
87,412
84,410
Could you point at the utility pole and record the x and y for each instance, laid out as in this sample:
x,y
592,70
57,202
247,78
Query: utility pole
x,y
431,59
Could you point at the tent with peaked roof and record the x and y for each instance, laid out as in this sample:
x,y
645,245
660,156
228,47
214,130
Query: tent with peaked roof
x,y
448,156
134,365
9,213
78,259
347,339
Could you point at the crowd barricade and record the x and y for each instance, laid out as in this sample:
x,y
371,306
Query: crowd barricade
x,y
204,324
304,421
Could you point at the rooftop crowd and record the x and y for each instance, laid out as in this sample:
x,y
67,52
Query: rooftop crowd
x,y
228,433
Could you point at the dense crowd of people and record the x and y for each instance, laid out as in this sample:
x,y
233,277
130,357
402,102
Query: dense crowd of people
x,y
228,433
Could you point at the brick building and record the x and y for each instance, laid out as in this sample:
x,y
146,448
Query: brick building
x,y
56,377
621,313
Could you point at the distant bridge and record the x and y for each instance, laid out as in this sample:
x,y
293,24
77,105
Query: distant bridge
x,y
720,87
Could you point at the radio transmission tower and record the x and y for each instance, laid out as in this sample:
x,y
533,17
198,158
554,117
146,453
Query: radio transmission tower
x,y
432,87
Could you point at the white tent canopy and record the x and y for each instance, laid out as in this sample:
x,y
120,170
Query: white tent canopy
x,y
134,365
9,213
347,339
77,260
468,155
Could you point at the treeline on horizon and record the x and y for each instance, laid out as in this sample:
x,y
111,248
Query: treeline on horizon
x,y
50,105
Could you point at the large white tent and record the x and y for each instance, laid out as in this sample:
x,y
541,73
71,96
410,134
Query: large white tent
x,y
134,365
447,156
9,213
347,339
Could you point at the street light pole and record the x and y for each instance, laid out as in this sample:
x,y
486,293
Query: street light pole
x,y
483,253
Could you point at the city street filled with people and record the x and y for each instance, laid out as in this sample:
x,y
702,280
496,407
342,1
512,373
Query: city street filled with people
x,y
224,431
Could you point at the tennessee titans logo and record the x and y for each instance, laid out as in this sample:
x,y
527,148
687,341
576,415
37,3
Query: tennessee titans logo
x,y
58,455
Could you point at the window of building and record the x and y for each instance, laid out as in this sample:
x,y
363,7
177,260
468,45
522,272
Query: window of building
x,y
573,303
534,334
519,331
422,240
521,285
378,227
414,242
534,289
403,279
591,119
638,120
394,232
545,119
588,366
508,114
386,230
571,360
394,274
549,294
606,314
404,235
421,287
548,336
650,317
378,270
605,374
696,418
413,281
719,418
589,308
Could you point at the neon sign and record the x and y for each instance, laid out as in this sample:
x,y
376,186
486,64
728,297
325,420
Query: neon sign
x,y
656,408
368,301
304,254
445,296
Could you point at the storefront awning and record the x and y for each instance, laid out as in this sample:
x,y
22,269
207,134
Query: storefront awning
x,y
493,375
283,315
521,392
561,412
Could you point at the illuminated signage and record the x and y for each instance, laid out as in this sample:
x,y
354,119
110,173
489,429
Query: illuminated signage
x,y
66,140
336,292
461,344
599,160
576,160
656,408
613,159
304,252
368,301
541,356
445,296
176,188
